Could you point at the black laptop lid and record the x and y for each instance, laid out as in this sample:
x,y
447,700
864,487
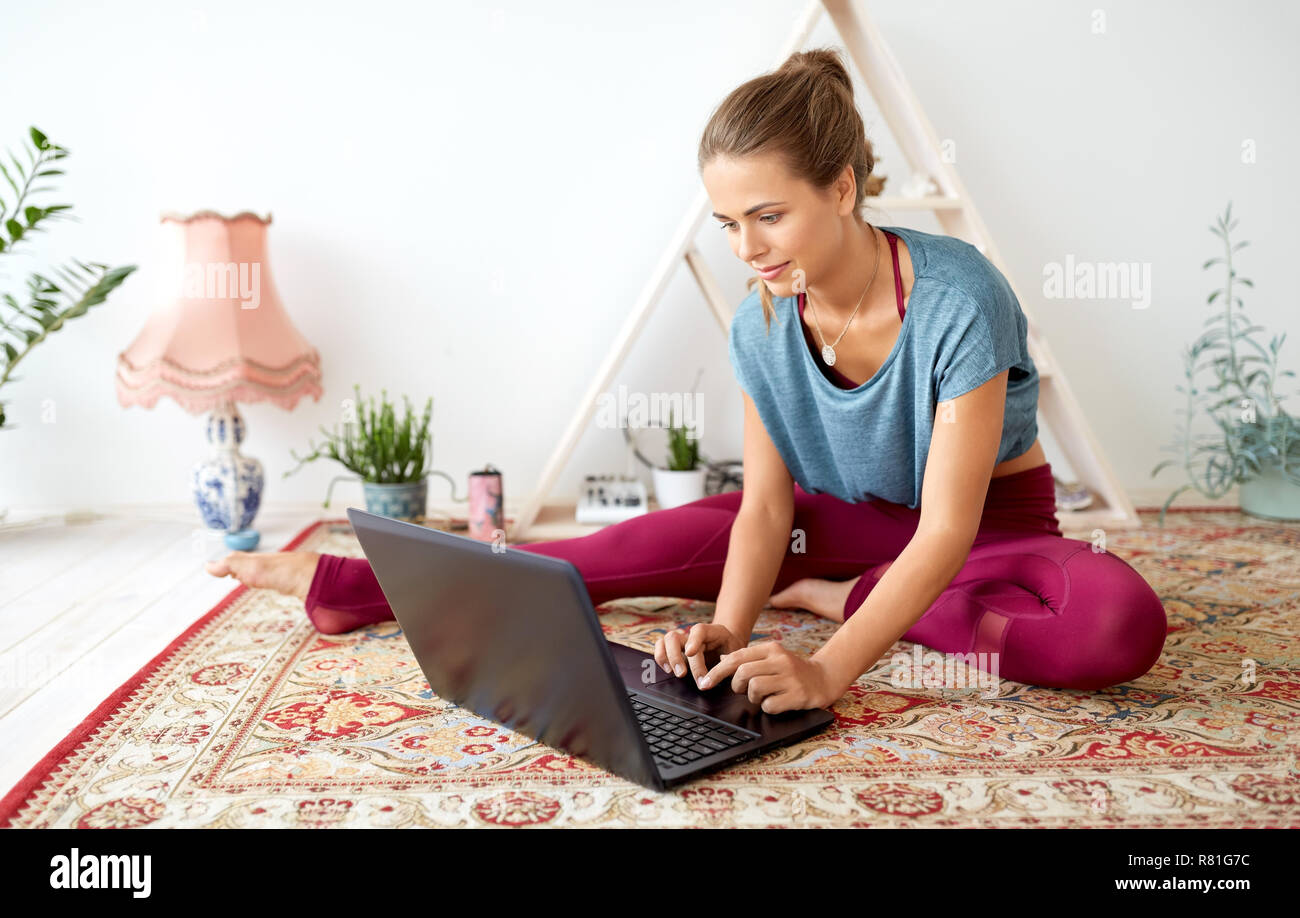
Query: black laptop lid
x,y
509,634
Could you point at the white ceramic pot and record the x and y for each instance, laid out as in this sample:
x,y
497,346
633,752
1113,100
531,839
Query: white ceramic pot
x,y
672,489
1270,495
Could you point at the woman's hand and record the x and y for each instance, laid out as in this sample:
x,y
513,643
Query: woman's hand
x,y
775,678
685,646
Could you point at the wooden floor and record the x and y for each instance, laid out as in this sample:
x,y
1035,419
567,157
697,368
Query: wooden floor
x,y
84,605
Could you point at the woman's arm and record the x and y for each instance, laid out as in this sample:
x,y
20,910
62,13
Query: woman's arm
x,y
963,453
904,592
760,535
754,554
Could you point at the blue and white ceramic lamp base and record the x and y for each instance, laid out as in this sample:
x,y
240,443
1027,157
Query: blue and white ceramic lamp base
x,y
227,486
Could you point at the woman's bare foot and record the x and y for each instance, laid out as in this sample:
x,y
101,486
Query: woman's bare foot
x,y
825,598
288,572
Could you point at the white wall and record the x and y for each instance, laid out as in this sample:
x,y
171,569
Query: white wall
x,y
467,199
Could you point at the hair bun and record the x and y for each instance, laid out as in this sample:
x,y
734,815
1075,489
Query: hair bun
x,y
827,62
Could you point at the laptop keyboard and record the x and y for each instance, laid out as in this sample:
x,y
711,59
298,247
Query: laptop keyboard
x,y
676,739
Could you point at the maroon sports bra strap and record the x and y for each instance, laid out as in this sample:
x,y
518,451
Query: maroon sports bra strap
x,y
898,277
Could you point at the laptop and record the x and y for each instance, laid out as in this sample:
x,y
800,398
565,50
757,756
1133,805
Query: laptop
x,y
512,636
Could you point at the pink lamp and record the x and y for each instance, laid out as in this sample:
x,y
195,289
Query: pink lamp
x,y
222,338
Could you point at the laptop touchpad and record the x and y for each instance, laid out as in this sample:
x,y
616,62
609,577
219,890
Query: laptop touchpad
x,y
721,702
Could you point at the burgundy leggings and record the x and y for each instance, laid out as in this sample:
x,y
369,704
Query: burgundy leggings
x,y
1057,612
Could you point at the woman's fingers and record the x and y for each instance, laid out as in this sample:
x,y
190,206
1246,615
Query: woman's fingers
x,y
676,658
662,654
757,687
698,643
687,645
693,649
744,664
684,649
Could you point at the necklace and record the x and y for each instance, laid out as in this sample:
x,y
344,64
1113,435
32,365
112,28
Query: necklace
x,y
828,350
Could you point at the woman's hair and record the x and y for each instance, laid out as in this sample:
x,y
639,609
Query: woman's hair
x,y
805,114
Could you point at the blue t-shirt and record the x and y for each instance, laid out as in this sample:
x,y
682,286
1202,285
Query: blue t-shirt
x,y
963,325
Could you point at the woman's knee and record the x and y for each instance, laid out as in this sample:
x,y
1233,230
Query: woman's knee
x,y
1118,623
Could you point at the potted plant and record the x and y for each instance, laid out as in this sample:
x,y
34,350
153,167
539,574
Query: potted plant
x,y
47,304
1257,445
391,459
683,480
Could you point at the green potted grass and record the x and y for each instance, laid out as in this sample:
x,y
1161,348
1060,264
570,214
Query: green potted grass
x,y
391,459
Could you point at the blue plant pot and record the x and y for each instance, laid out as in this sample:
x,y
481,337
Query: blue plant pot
x,y
407,501
1270,495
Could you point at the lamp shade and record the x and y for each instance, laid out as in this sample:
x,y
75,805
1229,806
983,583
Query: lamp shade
x,y
222,336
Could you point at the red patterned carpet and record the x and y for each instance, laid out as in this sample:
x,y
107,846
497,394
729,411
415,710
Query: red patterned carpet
x,y
251,718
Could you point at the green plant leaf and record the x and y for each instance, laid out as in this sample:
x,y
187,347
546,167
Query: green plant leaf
x,y
9,179
72,284
1155,471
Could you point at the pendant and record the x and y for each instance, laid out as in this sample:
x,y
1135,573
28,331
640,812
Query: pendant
x,y
828,355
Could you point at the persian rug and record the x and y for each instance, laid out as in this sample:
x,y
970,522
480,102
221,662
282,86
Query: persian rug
x,y
251,718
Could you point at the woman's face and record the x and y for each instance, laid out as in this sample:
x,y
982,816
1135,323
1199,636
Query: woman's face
x,y
772,218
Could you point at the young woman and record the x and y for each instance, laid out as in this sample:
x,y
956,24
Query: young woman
x,y
894,481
